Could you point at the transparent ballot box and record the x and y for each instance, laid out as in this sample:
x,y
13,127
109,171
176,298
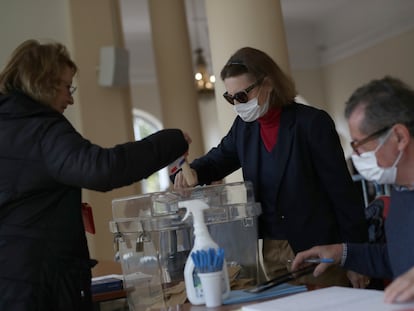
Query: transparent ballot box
x,y
153,241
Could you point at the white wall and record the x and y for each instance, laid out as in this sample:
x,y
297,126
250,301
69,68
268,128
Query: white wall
x,y
393,56
145,96
310,86
209,121
23,19
328,87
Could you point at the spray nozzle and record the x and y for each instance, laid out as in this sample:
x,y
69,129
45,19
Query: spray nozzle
x,y
194,207
202,236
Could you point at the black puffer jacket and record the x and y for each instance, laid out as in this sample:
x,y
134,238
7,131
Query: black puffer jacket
x,y
44,163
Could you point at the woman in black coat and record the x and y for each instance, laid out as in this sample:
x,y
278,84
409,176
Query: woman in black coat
x,y
44,163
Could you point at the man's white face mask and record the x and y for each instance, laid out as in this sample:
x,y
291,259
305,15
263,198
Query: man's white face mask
x,y
366,164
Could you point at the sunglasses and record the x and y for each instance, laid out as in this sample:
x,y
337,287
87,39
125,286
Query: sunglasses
x,y
358,143
241,96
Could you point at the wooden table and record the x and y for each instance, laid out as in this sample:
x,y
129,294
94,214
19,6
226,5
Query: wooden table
x,y
232,307
100,297
107,296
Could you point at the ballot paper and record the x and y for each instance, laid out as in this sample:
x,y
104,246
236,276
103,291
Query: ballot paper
x,y
332,298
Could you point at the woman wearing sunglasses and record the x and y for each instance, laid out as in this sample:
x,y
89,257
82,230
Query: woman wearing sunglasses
x,y
292,154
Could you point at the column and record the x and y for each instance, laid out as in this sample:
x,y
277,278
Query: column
x,y
105,112
234,24
173,62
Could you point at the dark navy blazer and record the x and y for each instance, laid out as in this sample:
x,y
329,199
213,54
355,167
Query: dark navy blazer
x,y
316,199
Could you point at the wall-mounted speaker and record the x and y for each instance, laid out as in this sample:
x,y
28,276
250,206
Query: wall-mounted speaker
x,y
113,66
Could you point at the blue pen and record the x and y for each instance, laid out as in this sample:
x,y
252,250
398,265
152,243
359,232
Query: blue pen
x,y
319,260
315,260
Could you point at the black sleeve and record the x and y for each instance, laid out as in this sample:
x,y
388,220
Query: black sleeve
x,y
369,259
75,161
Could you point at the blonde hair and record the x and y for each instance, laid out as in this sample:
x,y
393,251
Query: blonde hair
x,y
35,69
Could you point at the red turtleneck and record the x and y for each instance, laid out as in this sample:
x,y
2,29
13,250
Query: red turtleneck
x,y
269,127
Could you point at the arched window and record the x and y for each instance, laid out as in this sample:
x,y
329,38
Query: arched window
x,y
145,124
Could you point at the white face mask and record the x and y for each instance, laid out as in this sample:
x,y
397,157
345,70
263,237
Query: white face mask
x,y
366,164
251,110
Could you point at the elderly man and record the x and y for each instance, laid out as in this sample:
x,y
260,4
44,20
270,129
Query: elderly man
x,y
380,117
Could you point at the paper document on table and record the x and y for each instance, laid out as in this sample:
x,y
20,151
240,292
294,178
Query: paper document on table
x,y
332,298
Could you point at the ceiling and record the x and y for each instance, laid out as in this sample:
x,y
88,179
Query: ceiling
x,y
318,31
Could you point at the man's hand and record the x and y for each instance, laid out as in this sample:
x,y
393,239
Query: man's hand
x,y
401,289
358,280
333,251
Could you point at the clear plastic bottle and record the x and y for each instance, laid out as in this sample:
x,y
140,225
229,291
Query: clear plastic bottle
x,y
202,241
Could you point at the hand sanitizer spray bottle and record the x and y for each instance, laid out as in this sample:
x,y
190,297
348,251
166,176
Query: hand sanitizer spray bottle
x,y
203,241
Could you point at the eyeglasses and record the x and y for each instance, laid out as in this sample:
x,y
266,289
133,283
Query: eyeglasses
x,y
66,85
358,143
241,96
72,89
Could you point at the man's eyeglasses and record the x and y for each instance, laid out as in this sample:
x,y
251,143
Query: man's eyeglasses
x,y
241,96
358,143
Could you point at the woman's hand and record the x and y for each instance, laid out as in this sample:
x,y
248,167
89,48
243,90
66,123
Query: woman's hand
x,y
401,289
189,179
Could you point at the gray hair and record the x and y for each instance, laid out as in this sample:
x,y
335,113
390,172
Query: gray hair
x,y
386,102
